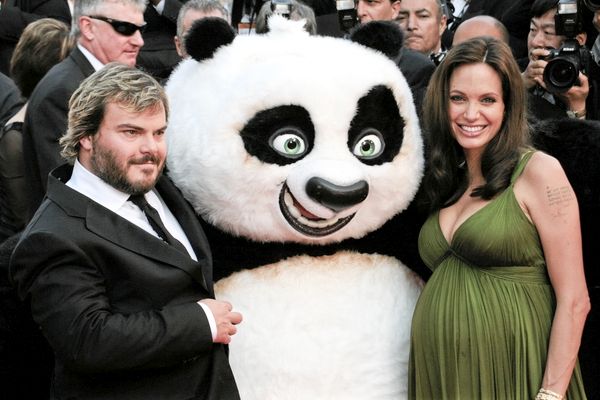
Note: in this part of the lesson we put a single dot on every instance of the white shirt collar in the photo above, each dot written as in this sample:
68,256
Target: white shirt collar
95,188
96,64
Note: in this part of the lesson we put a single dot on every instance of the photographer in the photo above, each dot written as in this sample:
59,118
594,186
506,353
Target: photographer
556,36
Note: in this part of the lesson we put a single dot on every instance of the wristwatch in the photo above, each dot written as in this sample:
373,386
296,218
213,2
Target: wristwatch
576,114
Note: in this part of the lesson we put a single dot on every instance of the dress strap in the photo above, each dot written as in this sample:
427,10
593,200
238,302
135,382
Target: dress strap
521,165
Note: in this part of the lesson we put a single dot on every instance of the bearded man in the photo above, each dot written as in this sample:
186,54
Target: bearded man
114,263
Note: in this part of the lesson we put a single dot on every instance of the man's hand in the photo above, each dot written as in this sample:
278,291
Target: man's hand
225,318
575,97
534,73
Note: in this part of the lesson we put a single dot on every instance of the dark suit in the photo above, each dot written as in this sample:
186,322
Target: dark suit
513,14
158,56
118,305
10,99
417,69
17,14
46,121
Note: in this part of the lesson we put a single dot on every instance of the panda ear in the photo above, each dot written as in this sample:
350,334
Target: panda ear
206,35
385,36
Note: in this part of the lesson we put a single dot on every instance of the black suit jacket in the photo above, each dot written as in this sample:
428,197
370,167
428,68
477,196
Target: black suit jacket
10,99
513,14
46,121
118,305
158,56
417,69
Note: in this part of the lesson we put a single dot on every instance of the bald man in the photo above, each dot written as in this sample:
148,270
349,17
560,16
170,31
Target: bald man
481,25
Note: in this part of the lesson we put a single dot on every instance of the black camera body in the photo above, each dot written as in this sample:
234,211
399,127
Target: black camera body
565,63
346,12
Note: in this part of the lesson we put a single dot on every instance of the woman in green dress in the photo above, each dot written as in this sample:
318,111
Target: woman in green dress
502,315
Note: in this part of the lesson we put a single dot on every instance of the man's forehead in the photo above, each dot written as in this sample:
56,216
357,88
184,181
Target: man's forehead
543,22
420,5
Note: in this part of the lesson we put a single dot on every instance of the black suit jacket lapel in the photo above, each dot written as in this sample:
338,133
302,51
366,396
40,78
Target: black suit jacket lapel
117,230
190,224
123,233
82,63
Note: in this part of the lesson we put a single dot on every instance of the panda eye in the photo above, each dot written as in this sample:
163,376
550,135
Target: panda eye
289,142
369,145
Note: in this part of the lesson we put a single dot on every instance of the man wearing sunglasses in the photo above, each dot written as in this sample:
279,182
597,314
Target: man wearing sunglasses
106,31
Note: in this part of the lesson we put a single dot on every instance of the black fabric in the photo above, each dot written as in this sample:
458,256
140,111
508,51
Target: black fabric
417,68
156,222
26,357
158,56
13,187
10,99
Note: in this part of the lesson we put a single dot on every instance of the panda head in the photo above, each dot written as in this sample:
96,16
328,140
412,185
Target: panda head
292,138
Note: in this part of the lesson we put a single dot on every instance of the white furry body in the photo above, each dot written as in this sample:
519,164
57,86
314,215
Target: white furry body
331,327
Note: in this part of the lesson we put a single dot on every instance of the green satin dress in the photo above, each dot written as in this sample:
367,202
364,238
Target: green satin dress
481,326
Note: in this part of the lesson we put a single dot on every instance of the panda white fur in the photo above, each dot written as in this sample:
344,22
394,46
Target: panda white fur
285,141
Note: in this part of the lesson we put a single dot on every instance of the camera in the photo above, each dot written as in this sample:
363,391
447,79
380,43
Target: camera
566,20
347,17
282,7
564,64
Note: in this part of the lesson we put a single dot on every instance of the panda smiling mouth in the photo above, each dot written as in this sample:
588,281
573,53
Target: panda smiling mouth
304,221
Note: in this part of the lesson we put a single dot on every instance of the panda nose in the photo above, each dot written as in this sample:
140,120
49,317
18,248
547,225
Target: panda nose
336,197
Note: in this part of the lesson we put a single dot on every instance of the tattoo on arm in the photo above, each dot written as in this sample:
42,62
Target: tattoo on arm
559,197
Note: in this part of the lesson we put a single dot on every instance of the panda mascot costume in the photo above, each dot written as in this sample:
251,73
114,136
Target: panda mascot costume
303,157
301,153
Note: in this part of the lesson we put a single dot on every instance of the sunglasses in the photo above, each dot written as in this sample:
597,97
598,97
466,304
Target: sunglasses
122,27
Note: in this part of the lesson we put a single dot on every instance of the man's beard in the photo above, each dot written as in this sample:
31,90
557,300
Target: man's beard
106,167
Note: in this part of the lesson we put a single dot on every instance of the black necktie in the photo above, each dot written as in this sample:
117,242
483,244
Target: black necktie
155,222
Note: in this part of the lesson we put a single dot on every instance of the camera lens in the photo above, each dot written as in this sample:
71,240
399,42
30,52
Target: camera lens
560,75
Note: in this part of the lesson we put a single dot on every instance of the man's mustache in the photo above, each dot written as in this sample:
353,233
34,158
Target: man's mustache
146,159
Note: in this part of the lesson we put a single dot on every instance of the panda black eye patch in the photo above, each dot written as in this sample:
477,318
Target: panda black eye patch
279,135
377,129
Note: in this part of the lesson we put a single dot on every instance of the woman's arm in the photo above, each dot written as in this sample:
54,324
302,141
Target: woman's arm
547,196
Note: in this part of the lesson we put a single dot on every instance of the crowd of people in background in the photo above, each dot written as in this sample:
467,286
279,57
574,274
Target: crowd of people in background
49,47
